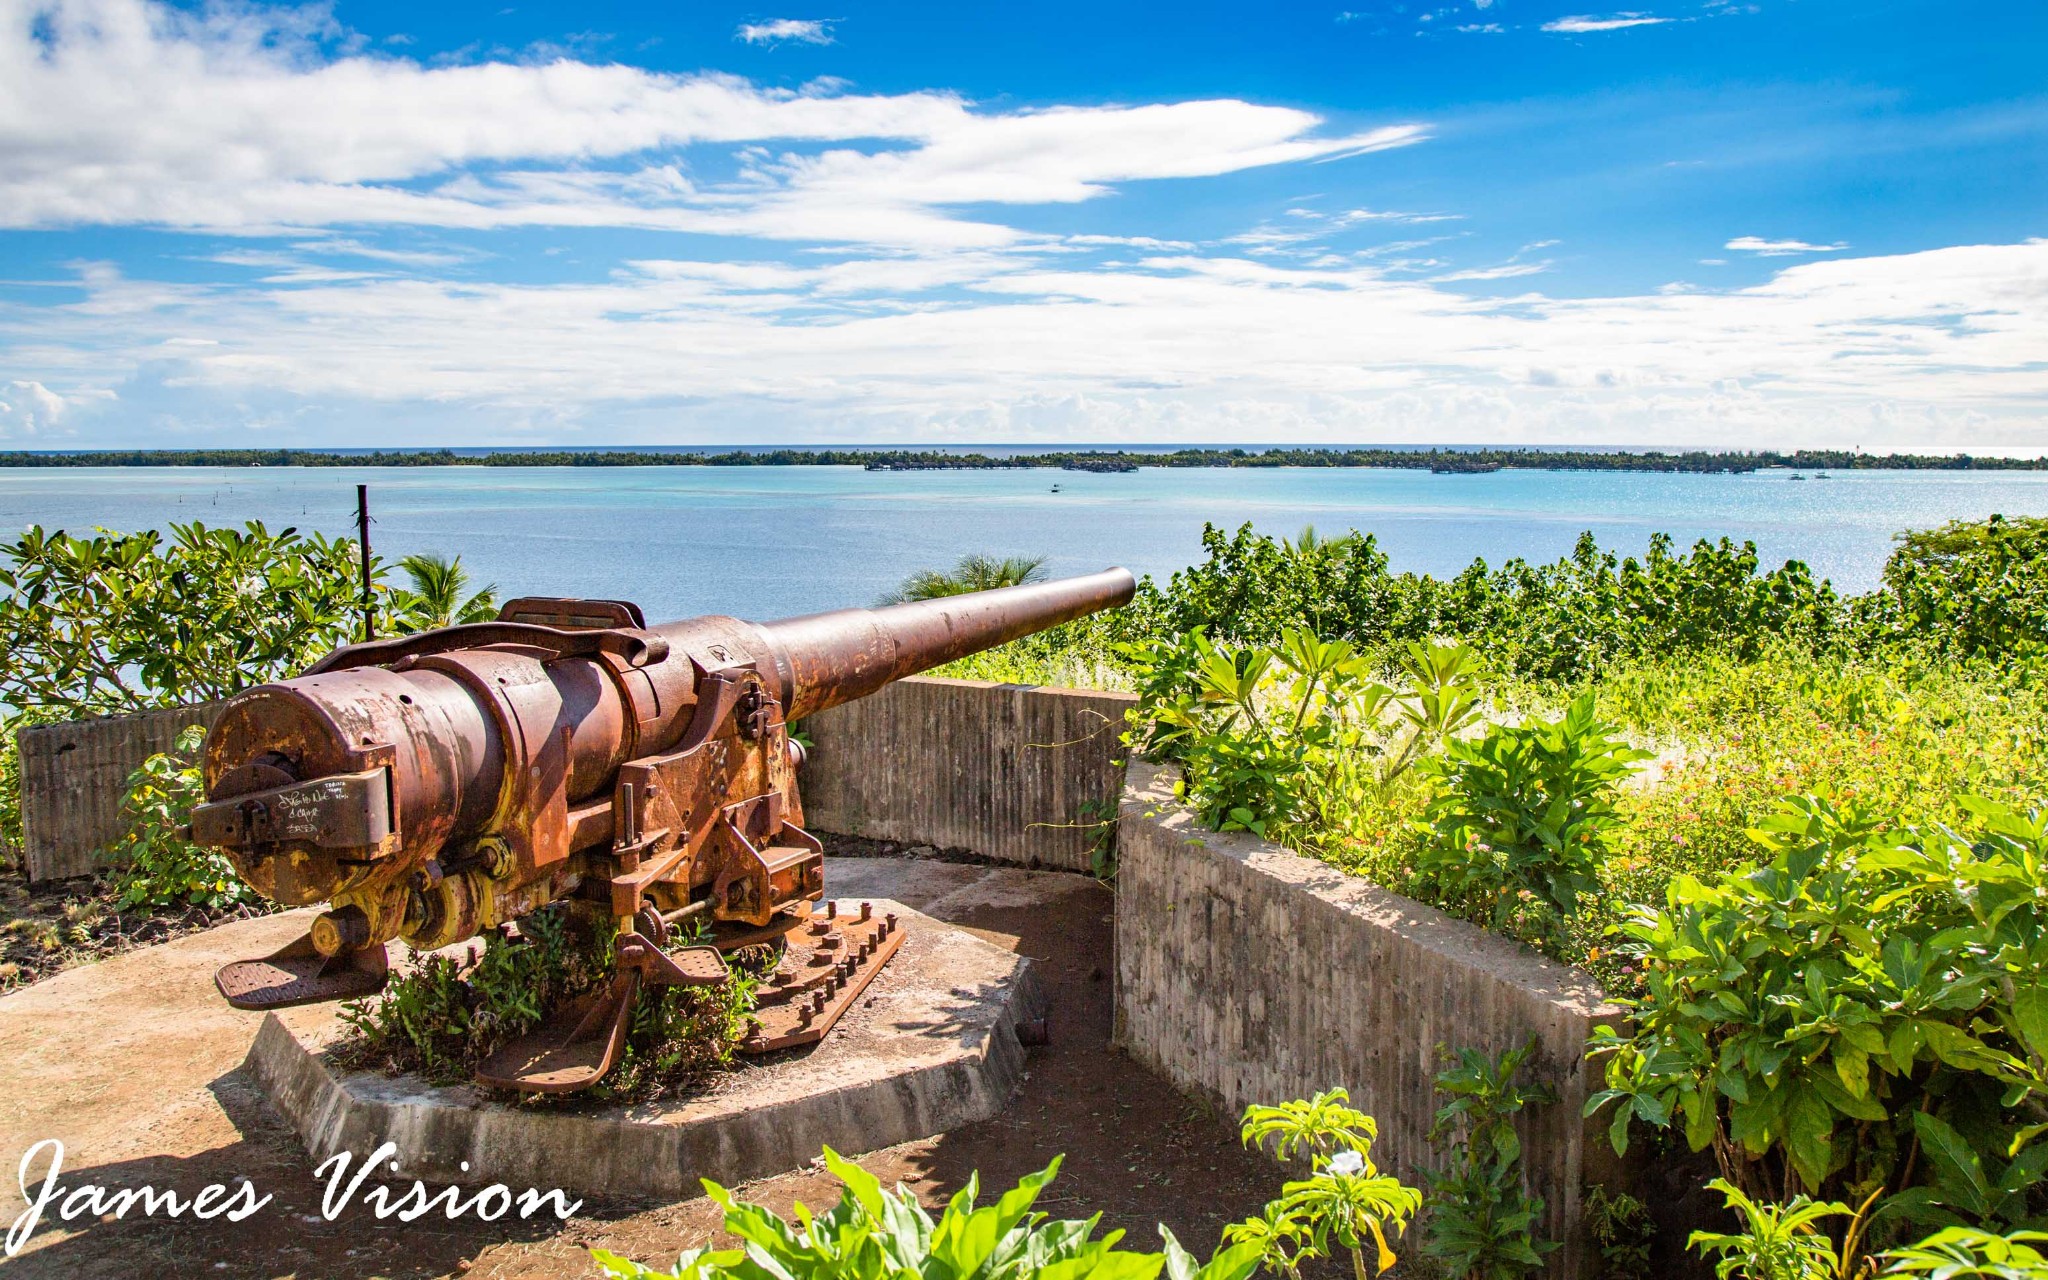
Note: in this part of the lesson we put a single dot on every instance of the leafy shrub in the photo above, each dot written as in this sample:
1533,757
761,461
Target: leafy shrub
1482,1221
1622,1231
1796,1018
117,623
125,622
1551,621
1970,589
445,1015
157,865
1345,1199
1780,1242
1962,1253
877,1234
1523,817
1294,738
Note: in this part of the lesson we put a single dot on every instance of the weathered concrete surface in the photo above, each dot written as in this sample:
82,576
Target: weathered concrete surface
1256,975
73,778
1017,773
931,1045
115,1059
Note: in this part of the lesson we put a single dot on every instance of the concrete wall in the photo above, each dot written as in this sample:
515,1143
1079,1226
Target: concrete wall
1250,974
1018,773
73,776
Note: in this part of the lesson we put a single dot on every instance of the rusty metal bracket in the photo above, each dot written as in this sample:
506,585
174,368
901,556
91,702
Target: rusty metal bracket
824,968
342,811
637,648
757,877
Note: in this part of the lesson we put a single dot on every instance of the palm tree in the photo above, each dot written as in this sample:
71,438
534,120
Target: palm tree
973,573
1310,540
436,598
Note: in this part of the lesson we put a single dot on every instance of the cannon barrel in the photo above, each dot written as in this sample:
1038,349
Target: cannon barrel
826,659
438,784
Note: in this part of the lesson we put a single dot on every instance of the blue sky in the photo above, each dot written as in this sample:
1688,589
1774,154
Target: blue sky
1777,223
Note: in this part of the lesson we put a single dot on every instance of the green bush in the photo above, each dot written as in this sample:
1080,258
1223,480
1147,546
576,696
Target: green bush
125,622
156,865
1970,589
1482,1222
1299,738
1798,1017
877,1234
1522,818
445,1015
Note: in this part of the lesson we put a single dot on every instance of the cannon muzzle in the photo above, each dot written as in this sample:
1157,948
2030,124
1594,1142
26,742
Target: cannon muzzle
826,659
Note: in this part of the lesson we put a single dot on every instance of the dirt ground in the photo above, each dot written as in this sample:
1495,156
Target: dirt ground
46,931
1136,1151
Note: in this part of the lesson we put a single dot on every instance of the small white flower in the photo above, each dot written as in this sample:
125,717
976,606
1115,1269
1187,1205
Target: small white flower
1348,1163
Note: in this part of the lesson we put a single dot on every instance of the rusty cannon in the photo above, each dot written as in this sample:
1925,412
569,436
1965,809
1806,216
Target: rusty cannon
437,786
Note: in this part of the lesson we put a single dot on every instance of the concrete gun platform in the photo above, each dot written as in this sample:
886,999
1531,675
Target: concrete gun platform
930,1045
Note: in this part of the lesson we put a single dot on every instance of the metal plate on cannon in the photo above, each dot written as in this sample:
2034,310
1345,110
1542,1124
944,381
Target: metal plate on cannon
299,974
825,966
343,811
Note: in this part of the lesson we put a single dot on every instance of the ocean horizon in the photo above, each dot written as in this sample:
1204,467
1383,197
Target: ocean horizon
767,542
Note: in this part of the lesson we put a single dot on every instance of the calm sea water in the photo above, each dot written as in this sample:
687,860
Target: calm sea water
768,542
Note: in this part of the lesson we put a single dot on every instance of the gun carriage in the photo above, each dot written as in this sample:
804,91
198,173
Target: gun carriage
431,788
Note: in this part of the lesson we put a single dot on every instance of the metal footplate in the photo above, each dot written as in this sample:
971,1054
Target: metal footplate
300,974
825,965
576,1047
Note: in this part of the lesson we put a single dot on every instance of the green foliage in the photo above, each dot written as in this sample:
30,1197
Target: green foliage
972,573
1517,833
878,1234
124,622
1621,1229
1965,1186
1797,1018
1970,589
1295,737
1778,1242
440,595
158,867
1482,1221
1964,1253
1344,1202
446,1014
1551,621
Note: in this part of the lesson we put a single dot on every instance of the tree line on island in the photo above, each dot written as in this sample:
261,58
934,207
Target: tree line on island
1460,461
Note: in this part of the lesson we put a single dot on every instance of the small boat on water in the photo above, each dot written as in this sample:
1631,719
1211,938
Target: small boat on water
1797,476
1055,488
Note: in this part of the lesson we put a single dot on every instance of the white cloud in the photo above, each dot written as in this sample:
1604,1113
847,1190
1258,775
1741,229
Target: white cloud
1581,24
27,407
784,30
1505,271
131,113
1779,248
1943,344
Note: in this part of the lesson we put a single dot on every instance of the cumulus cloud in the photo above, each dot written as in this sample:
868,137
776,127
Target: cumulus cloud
785,30
1946,343
128,112
885,311
1779,248
1581,23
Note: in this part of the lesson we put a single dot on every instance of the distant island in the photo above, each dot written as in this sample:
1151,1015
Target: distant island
1443,461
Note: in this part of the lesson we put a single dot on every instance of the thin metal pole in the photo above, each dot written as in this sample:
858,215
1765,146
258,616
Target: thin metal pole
363,542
